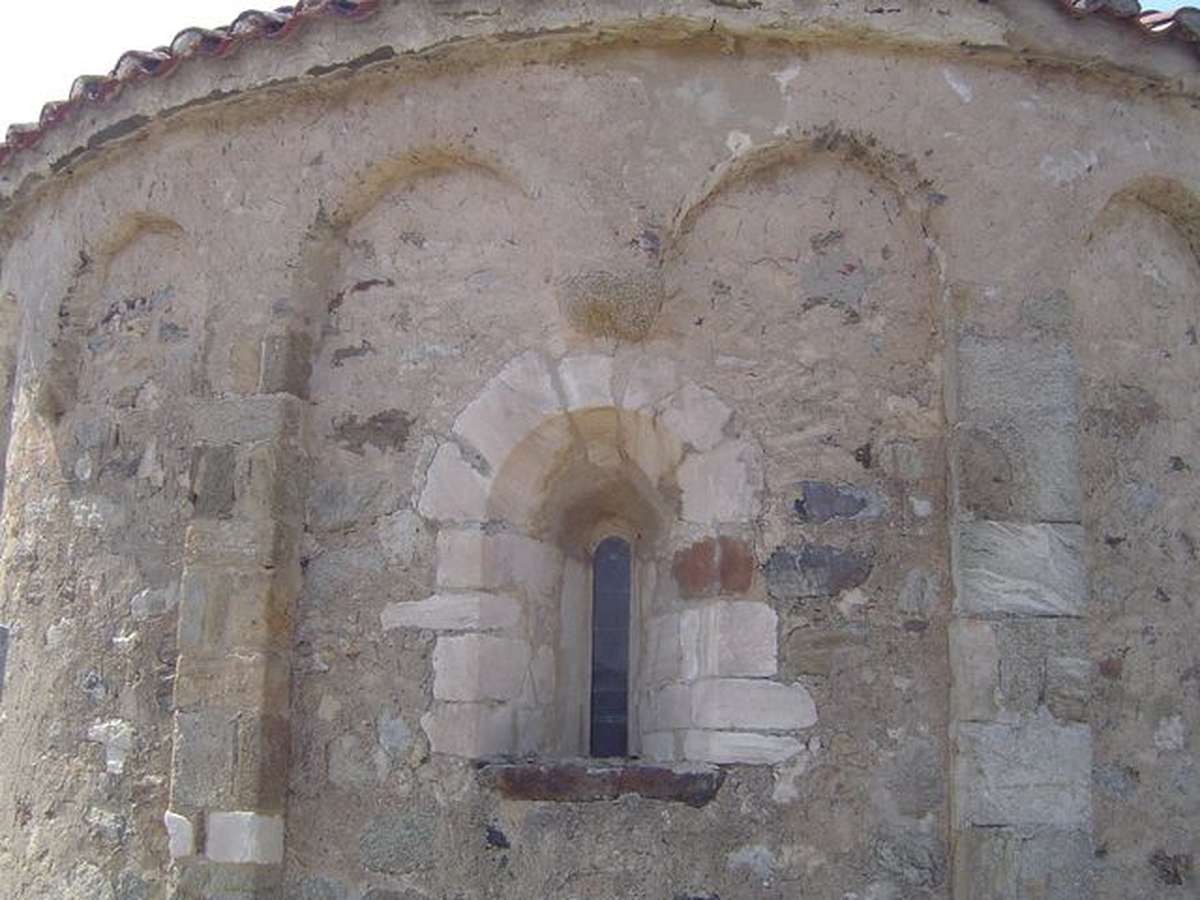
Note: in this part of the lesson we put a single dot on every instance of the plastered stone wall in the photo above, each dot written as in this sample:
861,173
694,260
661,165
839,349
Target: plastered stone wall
321,393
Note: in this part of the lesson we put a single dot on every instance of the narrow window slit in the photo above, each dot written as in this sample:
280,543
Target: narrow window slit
611,585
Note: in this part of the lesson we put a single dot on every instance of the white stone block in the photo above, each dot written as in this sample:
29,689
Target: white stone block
473,560
659,746
662,651
454,492
587,381
730,747
470,730
722,485
730,638
454,612
667,708
696,416
1007,569
752,703
479,667
244,837
1037,772
181,835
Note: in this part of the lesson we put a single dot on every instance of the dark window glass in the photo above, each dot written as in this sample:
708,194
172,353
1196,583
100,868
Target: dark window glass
610,648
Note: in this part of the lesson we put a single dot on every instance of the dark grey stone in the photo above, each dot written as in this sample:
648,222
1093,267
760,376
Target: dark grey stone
385,430
286,364
815,570
912,858
131,886
213,472
320,887
398,842
820,502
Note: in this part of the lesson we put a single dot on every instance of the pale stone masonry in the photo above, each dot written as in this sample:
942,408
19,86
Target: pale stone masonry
869,332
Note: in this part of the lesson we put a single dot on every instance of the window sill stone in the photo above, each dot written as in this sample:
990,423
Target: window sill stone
585,781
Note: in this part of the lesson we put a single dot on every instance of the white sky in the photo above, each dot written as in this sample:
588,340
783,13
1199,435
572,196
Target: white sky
45,44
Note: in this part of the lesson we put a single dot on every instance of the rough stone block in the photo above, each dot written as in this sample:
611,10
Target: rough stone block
400,840
181,835
1068,687
240,542
1037,772
260,770
247,420
235,609
722,485
586,381
454,612
470,730
752,704
1017,864
696,416
731,747
244,837
202,764
454,491
974,670
1008,569
247,681
473,667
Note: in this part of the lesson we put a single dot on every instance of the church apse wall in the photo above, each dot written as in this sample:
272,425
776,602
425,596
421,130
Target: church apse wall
659,462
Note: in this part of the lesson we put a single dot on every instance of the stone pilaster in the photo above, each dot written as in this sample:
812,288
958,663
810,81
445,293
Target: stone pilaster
1021,741
241,578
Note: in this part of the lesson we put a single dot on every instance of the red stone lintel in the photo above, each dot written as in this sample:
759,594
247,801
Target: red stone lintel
576,781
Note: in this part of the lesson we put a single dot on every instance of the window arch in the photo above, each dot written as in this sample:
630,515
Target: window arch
612,584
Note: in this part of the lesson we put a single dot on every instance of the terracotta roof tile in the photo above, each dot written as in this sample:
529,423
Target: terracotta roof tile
253,25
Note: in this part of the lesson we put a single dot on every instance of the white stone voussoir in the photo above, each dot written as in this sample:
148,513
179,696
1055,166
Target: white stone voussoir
454,612
454,491
497,421
696,415
722,485
586,381
244,837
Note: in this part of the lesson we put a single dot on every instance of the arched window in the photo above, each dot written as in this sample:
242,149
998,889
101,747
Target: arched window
611,586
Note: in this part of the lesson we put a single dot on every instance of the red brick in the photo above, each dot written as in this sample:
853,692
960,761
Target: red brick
695,569
737,566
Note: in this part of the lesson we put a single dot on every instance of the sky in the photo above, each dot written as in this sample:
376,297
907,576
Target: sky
45,44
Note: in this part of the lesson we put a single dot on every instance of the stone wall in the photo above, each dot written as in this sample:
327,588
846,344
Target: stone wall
322,393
